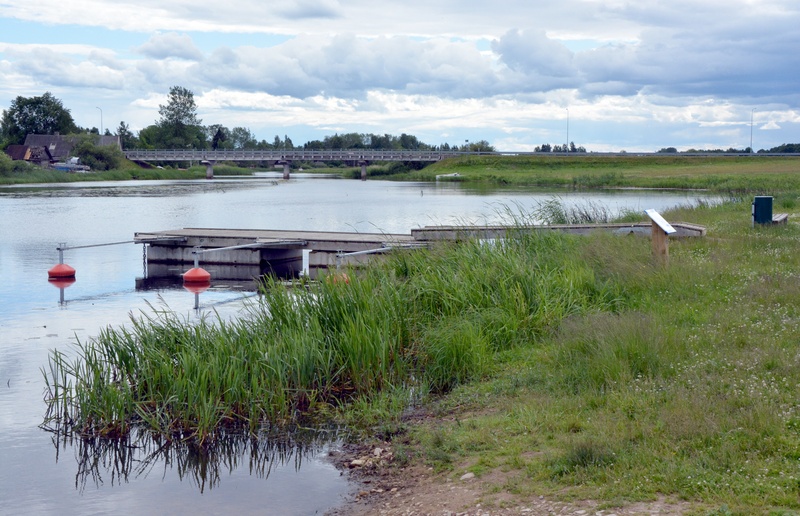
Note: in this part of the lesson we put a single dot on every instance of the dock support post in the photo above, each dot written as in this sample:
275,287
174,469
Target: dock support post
209,168
286,169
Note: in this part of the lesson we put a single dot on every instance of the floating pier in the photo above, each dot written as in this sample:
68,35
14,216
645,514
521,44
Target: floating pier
244,254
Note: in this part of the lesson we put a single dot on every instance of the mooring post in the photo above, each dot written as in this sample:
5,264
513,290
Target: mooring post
660,231
209,168
196,256
61,247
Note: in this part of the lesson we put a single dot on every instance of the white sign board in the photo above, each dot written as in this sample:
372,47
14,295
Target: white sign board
659,220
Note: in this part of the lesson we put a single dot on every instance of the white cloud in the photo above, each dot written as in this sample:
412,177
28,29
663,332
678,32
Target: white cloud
171,44
687,68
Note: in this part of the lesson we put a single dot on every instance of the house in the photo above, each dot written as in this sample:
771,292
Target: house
54,150
60,147
39,155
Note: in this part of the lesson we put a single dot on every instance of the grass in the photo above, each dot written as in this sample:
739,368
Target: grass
750,174
129,172
690,392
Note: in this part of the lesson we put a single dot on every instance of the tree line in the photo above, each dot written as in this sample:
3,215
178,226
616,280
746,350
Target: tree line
179,127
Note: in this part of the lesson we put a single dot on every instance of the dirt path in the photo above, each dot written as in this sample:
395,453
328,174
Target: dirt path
384,488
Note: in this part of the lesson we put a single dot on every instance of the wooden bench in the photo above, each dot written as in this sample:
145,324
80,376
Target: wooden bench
780,218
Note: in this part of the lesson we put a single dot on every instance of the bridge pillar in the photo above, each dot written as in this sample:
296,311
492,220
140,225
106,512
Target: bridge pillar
363,170
286,165
209,168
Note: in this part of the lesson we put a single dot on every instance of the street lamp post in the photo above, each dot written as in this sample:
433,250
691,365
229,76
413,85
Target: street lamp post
752,112
101,121
566,147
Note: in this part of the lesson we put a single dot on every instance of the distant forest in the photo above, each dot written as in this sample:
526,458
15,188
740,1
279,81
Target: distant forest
180,128
785,148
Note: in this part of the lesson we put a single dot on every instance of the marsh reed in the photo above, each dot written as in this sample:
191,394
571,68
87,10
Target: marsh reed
432,318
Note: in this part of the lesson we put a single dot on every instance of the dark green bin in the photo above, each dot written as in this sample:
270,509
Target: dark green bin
762,209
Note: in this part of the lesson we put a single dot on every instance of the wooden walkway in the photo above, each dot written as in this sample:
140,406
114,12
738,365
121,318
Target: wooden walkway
236,253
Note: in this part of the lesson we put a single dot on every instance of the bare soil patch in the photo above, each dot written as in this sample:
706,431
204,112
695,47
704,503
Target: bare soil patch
384,487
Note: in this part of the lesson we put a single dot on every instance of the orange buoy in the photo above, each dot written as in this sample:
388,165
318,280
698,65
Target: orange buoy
197,275
61,282
62,270
196,287
339,277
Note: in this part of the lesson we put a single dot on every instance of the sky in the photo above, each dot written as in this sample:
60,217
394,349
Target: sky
609,75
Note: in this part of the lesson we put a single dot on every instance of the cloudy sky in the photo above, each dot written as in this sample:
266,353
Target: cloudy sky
610,75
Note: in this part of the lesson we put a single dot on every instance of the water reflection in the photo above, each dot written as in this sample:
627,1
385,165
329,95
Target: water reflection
134,457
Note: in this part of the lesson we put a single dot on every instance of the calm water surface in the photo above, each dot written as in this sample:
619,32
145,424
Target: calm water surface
39,474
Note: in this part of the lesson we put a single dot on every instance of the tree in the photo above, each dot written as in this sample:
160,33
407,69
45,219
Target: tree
242,138
126,137
97,157
181,127
35,115
219,138
480,146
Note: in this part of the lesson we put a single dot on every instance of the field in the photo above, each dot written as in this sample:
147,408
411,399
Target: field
720,173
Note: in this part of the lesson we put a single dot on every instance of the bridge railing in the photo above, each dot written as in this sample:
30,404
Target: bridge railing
367,155
354,155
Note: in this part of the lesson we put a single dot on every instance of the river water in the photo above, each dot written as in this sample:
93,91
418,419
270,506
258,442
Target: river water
40,474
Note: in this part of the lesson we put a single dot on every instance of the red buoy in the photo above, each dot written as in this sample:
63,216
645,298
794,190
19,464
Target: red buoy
338,277
196,287
62,270
61,282
197,275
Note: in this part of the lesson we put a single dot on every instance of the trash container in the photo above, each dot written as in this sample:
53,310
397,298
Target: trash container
762,210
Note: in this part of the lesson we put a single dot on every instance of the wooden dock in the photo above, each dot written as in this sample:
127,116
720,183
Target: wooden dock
242,254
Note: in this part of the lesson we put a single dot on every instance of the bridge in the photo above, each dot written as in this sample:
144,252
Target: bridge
361,157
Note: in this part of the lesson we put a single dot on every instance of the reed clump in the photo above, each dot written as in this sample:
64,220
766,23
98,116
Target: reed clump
424,320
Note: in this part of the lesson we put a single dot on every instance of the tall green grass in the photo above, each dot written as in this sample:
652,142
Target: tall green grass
688,394
427,320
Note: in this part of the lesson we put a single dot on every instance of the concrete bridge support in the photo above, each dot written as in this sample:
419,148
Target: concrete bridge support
286,166
363,170
209,168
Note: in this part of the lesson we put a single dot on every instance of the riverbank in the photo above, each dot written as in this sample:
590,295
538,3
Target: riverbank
683,402
726,174
741,174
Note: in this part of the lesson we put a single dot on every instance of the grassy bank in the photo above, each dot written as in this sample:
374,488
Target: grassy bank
32,175
724,174
691,392
747,174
